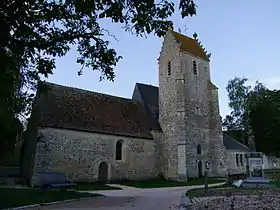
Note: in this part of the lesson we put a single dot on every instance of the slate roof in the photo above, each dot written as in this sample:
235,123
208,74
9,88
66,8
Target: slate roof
149,97
72,108
232,144
190,45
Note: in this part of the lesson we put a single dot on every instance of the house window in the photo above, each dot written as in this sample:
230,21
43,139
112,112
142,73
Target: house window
237,159
241,160
119,145
169,68
194,68
198,149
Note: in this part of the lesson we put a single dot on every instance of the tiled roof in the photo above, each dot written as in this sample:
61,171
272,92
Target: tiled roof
211,86
190,45
72,108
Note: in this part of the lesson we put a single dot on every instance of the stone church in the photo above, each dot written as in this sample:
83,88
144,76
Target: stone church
172,130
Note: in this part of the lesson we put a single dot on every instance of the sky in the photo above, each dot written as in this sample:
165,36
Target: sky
243,37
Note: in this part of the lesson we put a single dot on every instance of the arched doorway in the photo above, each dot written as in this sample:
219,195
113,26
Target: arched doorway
103,172
200,169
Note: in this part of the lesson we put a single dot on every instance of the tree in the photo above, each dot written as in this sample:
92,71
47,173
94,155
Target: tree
264,119
255,111
228,123
238,93
35,32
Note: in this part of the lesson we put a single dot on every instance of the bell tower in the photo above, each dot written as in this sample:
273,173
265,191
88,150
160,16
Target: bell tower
187,108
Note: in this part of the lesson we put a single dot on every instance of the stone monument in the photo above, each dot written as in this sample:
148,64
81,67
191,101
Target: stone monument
255,171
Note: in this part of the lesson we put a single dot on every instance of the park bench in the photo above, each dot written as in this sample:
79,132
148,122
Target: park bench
54,180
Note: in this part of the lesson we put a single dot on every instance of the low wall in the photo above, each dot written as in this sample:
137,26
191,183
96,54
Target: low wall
272,174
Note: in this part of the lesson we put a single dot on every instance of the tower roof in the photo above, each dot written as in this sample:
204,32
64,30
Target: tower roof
190,45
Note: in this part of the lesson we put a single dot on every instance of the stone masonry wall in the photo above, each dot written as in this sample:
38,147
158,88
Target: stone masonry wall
217,149
196,118
168,110
232,165
271,162
78,155
184,114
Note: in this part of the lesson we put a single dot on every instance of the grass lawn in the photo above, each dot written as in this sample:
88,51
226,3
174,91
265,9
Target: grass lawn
10,198
200,192
95,186
158,183
277,183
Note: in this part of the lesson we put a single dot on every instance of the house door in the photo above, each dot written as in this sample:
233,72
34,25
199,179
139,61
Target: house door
103,172
200,169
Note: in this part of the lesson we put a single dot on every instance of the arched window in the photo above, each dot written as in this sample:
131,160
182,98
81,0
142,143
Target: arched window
194,68
237,159
241,160
198,149
169,68
119,145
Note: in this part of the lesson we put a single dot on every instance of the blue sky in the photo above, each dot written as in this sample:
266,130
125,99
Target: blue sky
243,37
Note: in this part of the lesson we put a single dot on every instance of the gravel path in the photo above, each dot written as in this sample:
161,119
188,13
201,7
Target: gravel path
241,200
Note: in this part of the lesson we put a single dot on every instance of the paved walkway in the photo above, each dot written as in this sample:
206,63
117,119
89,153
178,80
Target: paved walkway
131,198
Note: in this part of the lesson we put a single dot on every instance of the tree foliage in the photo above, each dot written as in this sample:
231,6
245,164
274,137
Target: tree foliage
237,93
264,119
36,32
255,111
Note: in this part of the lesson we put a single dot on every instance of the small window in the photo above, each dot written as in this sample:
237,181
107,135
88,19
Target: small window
241,160
197,110
237,159
169,68
194,68
198,149
119,145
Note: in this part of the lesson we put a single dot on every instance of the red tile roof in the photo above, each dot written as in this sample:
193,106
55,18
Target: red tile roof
211,86
190,45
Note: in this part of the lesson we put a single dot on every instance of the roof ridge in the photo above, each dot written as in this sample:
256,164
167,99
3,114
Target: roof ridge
89,91
138,83
184,35
243,145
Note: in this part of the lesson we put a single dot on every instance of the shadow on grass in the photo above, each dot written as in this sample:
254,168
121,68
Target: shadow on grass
10,198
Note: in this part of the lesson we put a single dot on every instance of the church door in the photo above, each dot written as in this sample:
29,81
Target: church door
103,172
200,170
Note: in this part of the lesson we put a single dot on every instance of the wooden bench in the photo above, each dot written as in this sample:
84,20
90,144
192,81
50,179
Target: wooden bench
54,180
